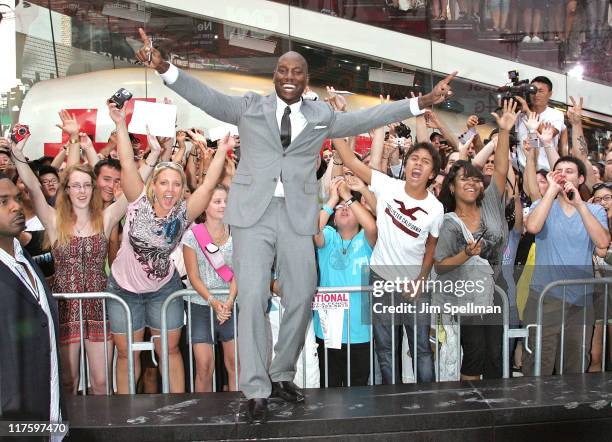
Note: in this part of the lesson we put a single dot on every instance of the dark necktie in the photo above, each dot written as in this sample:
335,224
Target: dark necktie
285,129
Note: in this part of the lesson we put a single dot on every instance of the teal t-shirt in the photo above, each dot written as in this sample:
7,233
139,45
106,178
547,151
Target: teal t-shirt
350,269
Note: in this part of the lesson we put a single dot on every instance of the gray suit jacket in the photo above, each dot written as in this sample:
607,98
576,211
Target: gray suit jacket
262,157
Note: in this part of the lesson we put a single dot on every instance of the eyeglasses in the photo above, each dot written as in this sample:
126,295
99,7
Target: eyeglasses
48,182
598,186
599,199
79,187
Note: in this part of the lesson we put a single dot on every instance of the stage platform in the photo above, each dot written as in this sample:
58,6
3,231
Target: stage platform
560,408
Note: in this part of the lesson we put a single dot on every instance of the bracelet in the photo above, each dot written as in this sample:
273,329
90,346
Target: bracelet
210,299
338,164
21,161
76,141
349,201
328,209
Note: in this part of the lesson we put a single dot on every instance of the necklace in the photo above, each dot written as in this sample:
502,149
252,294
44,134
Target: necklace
82,228
220,240
346,249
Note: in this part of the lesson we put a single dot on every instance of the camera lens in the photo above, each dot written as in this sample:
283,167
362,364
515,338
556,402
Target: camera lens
21,131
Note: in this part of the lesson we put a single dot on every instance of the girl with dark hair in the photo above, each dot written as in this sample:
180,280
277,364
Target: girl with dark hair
472,212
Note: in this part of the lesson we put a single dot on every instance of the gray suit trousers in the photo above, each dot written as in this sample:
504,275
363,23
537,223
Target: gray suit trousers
255,249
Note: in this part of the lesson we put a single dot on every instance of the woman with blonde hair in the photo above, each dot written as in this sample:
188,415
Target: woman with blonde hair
143,274
77,230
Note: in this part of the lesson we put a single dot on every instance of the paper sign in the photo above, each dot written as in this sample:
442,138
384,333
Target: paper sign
160,117
330,301
216,133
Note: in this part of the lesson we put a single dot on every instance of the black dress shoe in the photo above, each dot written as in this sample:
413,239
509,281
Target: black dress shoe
287,391
257,411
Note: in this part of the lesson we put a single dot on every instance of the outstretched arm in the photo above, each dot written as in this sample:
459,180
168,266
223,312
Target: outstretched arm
131,182
351,161
220,106
356,122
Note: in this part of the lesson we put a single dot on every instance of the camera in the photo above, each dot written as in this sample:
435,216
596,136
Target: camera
402,131
20,131
517,87
120,97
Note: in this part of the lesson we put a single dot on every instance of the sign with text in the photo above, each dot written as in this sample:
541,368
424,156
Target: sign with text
330,301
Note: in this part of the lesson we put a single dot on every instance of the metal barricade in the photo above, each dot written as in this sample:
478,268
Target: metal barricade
130,334
540,314
221,294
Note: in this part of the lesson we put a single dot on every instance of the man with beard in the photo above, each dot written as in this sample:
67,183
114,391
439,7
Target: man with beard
272,205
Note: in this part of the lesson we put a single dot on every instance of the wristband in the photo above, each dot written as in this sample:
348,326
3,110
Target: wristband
338,164
328,209
349,202
74,141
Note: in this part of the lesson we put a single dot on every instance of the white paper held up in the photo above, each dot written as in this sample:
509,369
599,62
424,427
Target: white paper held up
160,117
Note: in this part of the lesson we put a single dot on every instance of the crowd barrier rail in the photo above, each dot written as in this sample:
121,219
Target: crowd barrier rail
222,295
540,314
130,336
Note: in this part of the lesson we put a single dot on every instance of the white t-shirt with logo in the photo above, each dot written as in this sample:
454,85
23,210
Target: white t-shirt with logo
404,224
550,115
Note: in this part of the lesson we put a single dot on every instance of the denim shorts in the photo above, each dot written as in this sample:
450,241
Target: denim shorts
200,325
145,307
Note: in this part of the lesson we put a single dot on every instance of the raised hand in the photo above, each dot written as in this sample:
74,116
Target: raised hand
226,143
354,183
431,120
69,123
196,136
523,103
334,196
384,100
463,147
153,142
548,133
441,91
338,102
85,141
150,56
18,147
117,115
344,191
555,181
528,148
574,113
472,121
508,117
533,122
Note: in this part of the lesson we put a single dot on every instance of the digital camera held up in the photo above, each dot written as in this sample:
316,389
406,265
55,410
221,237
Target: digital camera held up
120,97
20,131
517,87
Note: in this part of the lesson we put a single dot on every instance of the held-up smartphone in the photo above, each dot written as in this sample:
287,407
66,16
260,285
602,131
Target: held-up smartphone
120,97
534,140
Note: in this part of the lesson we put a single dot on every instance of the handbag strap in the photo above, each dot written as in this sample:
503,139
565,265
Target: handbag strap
203,238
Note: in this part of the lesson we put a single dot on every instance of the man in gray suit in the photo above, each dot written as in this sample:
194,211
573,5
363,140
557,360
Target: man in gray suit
272,205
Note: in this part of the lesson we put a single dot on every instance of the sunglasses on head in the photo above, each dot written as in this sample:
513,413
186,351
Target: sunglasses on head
598,186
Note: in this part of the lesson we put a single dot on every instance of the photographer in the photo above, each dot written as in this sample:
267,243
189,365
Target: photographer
539,105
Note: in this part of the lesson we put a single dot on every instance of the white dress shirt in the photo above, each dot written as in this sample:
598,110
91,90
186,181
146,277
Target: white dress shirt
17,264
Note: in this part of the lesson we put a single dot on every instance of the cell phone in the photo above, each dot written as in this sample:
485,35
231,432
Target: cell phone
120,97
534,140
400,141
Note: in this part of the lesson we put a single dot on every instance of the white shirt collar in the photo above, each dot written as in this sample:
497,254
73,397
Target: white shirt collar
281,105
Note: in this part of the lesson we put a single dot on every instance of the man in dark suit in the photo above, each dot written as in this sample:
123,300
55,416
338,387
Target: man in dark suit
272,205
29,358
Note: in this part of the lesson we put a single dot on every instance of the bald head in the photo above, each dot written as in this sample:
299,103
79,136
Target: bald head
290,77
295,57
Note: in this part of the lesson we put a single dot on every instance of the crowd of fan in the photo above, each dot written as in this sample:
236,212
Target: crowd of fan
439,204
